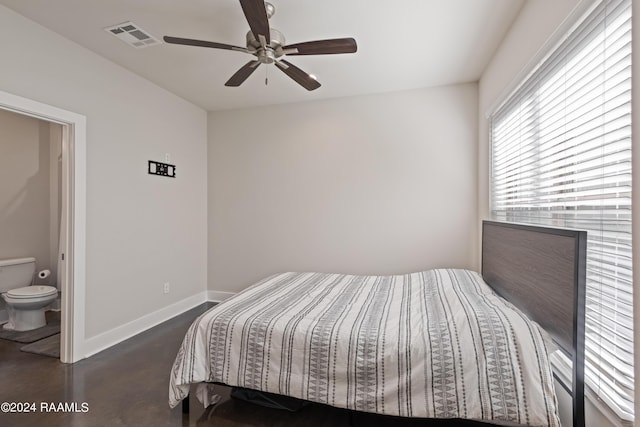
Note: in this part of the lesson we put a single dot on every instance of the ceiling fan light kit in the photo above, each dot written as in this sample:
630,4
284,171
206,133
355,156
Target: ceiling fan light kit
268,46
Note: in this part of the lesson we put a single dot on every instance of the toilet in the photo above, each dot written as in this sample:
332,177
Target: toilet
25,302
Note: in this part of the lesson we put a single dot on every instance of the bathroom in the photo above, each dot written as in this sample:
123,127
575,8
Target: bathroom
30,197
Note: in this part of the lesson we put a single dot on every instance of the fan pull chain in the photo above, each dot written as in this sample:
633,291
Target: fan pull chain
266,76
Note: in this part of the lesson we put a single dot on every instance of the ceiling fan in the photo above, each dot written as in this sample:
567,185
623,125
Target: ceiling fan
268,46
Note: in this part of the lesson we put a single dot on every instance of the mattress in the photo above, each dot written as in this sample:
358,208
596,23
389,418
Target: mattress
432,344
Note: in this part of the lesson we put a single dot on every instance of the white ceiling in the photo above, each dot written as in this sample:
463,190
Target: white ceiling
402,44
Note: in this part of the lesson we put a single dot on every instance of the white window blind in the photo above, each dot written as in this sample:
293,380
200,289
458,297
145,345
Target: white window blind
561,156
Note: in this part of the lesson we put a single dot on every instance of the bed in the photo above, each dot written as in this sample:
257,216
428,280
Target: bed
442,343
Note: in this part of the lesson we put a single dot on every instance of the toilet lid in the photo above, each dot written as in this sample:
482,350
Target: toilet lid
32,291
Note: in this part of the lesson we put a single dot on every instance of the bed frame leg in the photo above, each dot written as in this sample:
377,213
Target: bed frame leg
185,405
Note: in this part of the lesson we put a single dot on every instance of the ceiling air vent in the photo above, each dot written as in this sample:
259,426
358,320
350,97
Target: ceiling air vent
132,34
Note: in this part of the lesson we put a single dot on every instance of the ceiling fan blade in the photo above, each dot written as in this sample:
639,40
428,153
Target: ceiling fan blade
242,74
303,79
256,13
322,47
203,43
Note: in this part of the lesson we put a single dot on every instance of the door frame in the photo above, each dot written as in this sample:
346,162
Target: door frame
74,143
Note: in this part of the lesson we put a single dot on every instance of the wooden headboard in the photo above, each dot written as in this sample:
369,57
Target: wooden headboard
542,271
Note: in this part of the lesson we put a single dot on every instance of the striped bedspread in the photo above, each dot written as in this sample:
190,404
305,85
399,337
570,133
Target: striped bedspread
434,344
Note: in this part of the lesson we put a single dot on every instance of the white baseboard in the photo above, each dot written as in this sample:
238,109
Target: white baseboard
219,296
114,336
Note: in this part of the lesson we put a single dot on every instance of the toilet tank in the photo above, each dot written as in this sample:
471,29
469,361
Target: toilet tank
16,273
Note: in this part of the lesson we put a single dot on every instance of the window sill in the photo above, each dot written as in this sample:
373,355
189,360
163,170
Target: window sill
562,371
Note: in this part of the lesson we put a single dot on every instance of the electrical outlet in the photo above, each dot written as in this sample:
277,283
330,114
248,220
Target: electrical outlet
167,288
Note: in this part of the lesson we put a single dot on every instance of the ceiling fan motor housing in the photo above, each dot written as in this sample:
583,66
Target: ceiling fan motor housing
270,52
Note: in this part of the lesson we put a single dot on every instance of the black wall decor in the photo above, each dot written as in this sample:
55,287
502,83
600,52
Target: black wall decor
162,169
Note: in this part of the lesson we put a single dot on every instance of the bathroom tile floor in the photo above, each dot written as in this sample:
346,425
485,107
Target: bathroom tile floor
127,385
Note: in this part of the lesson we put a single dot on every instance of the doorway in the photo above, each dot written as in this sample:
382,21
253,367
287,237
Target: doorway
72,228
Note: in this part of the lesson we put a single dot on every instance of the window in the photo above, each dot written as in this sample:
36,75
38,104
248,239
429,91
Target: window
561,156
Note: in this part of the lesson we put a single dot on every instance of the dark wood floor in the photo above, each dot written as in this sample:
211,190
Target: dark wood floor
127,385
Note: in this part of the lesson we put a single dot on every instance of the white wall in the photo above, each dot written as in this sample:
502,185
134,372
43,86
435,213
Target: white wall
142,230
376,184
532,34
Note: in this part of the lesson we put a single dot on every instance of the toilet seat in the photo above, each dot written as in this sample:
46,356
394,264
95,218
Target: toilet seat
36,291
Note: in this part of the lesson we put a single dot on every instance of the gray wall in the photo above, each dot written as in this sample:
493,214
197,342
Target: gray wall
28,190
378,184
